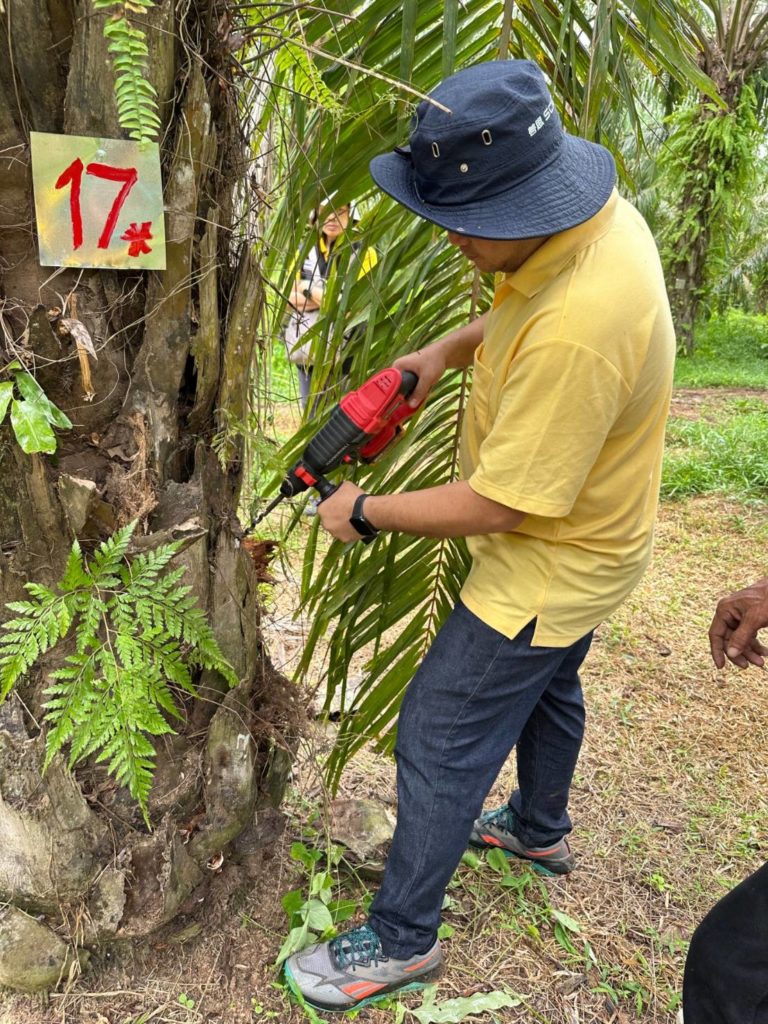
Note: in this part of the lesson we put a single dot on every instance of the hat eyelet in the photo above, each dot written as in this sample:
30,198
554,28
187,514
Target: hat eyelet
463,168
486,136
435,150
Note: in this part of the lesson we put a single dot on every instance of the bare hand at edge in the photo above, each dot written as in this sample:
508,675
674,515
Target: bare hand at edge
734,628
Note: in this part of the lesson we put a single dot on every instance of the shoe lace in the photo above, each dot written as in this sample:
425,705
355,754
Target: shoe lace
504,817
358,948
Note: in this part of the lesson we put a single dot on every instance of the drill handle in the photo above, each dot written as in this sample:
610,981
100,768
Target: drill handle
409,380
325,488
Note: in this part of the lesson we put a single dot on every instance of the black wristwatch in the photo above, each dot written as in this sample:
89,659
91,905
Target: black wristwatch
366,530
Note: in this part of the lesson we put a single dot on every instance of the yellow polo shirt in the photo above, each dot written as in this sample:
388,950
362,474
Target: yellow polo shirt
565,422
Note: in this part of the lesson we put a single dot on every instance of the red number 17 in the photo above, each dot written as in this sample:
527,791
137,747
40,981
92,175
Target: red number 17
73,176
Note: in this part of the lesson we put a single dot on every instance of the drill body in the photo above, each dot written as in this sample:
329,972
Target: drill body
362,426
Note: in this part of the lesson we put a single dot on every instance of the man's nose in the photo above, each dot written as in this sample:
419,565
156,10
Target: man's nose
455,239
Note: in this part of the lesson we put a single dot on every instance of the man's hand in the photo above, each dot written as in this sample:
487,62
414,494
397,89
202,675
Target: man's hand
453,352
335,511
733,633
428,365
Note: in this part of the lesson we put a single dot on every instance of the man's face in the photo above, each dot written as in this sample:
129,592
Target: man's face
491,255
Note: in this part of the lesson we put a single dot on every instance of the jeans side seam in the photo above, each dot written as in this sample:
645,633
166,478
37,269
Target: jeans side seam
435,793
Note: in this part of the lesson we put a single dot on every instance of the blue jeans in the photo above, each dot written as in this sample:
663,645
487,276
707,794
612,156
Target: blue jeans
476,695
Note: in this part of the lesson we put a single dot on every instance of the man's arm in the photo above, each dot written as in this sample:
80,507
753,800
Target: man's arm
733,633
453,352
451,510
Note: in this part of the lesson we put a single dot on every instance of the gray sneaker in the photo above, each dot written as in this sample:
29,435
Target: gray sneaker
496,829
352,970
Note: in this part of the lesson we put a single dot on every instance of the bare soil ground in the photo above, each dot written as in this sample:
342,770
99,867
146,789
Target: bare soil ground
697,403
669,806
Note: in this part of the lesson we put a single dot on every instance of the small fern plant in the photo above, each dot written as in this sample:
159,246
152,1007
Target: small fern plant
136,634
136,97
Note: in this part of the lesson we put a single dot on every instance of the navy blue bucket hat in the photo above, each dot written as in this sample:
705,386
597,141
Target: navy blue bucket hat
499,165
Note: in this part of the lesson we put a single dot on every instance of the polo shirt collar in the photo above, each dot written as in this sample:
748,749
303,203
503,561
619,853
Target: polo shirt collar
547,261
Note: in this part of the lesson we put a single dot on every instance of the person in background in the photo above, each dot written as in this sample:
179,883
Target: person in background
306,297
726,972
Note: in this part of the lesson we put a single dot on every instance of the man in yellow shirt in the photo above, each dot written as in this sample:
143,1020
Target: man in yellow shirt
561,456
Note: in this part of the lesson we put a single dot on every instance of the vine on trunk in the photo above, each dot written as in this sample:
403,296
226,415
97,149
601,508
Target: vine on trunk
708,162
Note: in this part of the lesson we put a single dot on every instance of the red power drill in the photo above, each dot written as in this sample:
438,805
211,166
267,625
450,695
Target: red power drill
362,426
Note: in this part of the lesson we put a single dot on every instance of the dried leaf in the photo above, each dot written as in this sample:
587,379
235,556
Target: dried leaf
78,330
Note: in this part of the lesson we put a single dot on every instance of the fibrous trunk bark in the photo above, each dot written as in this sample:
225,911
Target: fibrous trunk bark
174,355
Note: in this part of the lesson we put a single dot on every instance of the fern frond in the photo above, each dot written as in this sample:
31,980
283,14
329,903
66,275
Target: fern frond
75,576
136,98
137,630
109,555
40,625
291,57
70,699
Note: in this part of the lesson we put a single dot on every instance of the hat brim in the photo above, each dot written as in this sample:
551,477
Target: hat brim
568,191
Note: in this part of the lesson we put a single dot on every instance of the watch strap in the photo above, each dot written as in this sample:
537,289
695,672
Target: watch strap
357,519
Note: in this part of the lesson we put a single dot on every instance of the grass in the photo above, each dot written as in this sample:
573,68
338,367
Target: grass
726,452
731,352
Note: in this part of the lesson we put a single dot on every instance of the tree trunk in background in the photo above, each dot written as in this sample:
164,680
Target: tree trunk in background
174,356
687,270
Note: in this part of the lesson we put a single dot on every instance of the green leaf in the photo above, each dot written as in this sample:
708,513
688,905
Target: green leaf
342,910
32,428
295,940
453,1011
293,901
498,861
6,393
34,394
566,921
318,916
305,856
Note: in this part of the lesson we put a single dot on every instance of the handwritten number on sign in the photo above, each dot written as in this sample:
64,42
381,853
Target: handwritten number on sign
73,175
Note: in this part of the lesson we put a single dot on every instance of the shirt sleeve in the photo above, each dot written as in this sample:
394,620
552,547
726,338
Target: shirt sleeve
556,409
370,259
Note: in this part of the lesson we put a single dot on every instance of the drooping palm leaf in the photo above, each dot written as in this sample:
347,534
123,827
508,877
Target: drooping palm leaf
389,599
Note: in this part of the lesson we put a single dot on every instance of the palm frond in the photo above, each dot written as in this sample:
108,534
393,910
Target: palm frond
594,54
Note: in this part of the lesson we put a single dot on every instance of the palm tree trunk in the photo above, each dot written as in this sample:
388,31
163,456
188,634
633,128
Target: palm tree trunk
174,356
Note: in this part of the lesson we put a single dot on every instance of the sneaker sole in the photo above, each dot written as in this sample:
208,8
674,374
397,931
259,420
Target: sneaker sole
413,986
538,866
